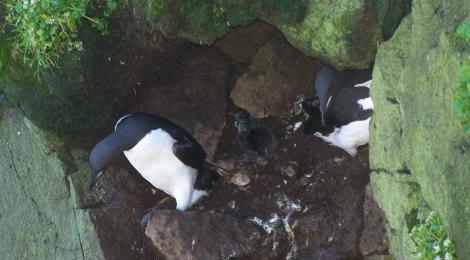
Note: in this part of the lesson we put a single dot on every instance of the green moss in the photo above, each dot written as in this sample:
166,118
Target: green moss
347,37
398,195
4,58
199,21
344,33
67,101
431,239
413,129
44,31
461,103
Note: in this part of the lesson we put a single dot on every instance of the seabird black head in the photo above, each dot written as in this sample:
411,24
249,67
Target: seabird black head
102,154
314,122
244,121
323,83
254,138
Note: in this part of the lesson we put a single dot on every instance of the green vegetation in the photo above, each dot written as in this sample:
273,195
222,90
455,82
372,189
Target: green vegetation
203,22
462,87
44,30
431,239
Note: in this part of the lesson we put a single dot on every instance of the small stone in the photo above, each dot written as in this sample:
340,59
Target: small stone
288,170
303,181
240,179
231,204
261,161
228,165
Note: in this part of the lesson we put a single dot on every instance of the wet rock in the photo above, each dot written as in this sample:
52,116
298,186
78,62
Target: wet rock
277,75
240,179
374,236
191,92
201,235
242,43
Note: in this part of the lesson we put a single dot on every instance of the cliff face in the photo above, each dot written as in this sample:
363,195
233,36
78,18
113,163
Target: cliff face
419,153
40,213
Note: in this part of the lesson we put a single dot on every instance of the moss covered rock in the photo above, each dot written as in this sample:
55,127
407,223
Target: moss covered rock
71,99
418,148
40,210
344,33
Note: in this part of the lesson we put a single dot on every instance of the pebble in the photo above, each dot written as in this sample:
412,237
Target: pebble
240,179
303,181
232,204
288,170
228,165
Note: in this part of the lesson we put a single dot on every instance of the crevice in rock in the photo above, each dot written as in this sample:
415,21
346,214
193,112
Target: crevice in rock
78,232
393,100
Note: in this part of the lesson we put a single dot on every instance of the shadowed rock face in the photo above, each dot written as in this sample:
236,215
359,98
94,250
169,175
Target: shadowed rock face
190,90
201,235
276,76
374,238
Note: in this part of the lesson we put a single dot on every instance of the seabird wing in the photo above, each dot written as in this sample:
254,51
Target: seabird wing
345,107
189,152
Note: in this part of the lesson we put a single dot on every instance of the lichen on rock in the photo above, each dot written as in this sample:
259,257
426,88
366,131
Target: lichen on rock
344,33
418,148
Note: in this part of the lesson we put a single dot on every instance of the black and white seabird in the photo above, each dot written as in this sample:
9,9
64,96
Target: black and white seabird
162,152
346,105
256,141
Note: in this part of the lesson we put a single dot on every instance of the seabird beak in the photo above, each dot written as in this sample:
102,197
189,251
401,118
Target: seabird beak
323,83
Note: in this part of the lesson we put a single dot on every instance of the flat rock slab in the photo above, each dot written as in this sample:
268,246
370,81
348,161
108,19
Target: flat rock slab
201,235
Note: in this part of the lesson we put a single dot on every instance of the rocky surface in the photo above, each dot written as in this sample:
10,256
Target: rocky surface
419,151
37,224
277,75
180,90
374,239
306,201
344,33
242,43
201,235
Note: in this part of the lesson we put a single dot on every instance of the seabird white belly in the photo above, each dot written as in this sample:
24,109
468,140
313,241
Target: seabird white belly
154,159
